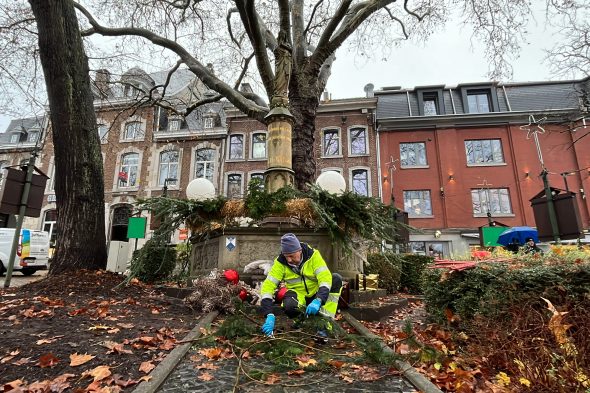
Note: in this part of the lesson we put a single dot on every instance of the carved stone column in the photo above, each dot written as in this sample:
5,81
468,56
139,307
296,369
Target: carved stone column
279,172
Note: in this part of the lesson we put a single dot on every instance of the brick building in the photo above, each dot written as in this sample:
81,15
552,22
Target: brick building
345,142
448,155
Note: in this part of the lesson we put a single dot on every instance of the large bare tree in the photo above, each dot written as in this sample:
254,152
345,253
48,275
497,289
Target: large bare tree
79,183
294,43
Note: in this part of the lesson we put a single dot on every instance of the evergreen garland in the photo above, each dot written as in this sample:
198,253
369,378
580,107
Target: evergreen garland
348,217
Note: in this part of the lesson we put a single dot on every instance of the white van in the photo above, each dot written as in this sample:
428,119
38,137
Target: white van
32,253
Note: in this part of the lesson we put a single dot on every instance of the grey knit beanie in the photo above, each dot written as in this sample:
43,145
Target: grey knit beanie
289,243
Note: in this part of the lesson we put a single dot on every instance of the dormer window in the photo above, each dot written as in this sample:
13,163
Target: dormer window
14,138
174,124
430,102
208,122
479,99
33,136
130,91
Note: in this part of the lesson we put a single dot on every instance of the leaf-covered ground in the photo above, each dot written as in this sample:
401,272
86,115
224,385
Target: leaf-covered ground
85,332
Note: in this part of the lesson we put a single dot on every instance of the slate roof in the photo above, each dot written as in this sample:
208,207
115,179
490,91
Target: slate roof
511,97
17,125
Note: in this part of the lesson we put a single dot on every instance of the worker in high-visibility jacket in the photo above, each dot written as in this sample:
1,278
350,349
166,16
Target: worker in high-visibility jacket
310,284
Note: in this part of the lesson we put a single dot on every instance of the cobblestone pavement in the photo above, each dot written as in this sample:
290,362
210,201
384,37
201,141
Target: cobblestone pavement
185,379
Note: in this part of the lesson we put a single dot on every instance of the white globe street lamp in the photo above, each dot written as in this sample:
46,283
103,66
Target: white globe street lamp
331,181
200,189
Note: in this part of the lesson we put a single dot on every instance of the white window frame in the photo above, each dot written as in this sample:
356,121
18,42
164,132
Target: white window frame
169,165
251,175
229,145
226,184
33,132
479,93
208,122
205,163
265,145
339,136
14,138
351,180
3,164
481,143
140,132
119,167
411,213
335,169
402,165
480,205
177,124
101,122
366,132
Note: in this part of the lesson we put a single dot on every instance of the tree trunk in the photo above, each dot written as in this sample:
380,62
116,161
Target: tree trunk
79,185
303,103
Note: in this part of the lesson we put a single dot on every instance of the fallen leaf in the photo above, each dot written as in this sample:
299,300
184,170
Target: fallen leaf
211,353
146,378
146,367
503,379
305,361
22,361
98,373
335,363
525,382
115,347
273,378
296,372
47,360
126,325
100,327
77,360
206,366
205,376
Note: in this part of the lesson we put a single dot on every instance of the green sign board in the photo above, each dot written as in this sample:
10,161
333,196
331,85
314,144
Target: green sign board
136,228
491,234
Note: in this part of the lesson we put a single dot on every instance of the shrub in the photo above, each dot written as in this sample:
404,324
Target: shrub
388,267
412,269
490,289
154,262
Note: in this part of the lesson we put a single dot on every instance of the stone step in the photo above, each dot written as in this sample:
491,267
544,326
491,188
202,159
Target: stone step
376,311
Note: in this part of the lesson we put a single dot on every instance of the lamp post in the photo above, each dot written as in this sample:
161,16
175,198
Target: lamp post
165,188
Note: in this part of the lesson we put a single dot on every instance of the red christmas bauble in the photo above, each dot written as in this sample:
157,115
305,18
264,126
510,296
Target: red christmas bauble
231,276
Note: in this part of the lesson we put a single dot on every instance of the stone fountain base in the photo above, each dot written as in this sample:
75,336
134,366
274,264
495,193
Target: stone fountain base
236,247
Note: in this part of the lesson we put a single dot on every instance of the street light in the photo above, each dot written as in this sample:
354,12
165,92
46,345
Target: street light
165,188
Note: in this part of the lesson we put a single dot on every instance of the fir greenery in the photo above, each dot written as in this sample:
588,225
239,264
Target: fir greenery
155,261
347,217
389,268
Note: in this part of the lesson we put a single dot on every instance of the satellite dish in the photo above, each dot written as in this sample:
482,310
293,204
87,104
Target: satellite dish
331,181
200,189
369,87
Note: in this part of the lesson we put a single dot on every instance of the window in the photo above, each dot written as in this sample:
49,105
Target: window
234,186
50,226
132,131
484,151
130,91
14,138
331,142
174,125
129,169
478,101
33,136
168,167
204,163
413,154
360,182
358,141
53,176
258,176
430,104
494,200
208,122
3,165
417,203
103,129
258,145
236,147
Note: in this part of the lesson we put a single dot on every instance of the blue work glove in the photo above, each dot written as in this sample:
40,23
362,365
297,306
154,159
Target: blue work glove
313,307
269,325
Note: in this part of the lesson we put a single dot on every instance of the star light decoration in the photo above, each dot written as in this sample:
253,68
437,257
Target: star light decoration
534,127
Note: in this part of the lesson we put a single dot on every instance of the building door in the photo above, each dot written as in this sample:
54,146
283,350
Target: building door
120,223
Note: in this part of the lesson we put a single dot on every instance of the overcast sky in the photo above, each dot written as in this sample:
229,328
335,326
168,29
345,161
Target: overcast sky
448,58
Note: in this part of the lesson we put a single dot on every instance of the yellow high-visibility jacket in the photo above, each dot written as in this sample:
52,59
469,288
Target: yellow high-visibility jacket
311,278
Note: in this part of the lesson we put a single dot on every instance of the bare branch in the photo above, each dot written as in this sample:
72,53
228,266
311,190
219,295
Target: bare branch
315,7
207,77
399,21
229,29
